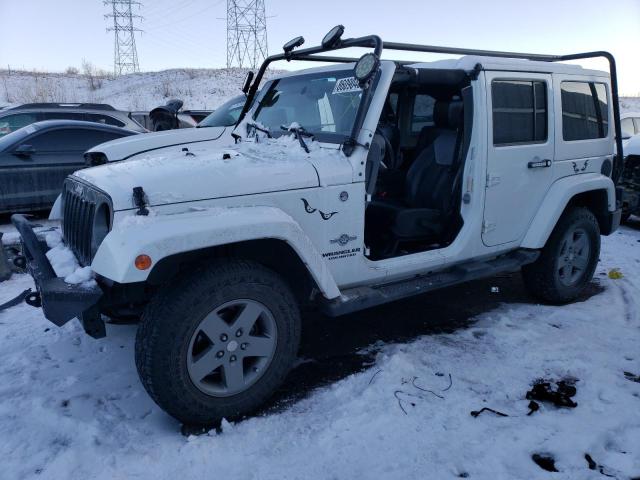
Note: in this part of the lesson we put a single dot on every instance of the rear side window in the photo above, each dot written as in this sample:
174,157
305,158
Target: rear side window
585,112
519,112
637,122
104,119
422,113
11,123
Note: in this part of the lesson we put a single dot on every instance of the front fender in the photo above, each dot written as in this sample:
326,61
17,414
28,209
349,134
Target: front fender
56,210
558,197
161,236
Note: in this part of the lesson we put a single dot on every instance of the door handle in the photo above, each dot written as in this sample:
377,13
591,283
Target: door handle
539,163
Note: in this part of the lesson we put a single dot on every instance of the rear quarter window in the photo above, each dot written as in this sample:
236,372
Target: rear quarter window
585,111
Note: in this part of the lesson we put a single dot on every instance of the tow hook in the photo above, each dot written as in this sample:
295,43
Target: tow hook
33,299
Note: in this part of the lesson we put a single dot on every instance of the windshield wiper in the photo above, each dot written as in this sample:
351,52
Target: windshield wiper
258,128
299,133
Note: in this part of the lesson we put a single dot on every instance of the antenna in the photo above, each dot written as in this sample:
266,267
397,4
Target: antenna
125,55
246,33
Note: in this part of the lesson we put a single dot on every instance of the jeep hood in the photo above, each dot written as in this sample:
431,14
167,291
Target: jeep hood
208,173
126,147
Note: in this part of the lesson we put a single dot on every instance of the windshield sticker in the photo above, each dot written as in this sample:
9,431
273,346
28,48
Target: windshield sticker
347,85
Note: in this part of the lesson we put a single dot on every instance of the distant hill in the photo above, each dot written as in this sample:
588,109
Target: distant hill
197,88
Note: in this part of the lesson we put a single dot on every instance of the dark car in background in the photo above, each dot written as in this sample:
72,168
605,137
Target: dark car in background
14,118
35,160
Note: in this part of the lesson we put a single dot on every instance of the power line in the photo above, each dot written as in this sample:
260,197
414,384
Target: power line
246,33
173,22
125,54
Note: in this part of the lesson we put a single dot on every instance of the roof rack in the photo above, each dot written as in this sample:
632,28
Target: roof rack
88,106
375,42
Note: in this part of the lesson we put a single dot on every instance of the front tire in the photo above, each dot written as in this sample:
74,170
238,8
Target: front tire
217,342
567,261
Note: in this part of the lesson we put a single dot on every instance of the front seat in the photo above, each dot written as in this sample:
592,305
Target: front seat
420,215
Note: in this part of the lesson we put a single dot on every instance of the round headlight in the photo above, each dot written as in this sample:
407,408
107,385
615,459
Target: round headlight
101,226
293,43
332,38
366,67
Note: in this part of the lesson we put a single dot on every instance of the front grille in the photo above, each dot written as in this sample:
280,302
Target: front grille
79,204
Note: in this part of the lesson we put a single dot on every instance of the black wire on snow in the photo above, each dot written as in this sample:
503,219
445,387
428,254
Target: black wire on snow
16,300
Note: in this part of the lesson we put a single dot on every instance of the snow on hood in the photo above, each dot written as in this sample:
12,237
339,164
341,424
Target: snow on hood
251,167
126,147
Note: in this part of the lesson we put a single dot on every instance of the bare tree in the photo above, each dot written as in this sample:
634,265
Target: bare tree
92,74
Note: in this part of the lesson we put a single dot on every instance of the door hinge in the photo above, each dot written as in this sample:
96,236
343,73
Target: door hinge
488,227
492,180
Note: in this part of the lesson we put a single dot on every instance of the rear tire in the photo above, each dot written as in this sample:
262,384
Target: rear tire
567,261
254,324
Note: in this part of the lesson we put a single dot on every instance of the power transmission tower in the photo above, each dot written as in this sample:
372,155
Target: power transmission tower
125,55
246,33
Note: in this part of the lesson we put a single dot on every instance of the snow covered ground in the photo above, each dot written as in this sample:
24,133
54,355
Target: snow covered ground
72,407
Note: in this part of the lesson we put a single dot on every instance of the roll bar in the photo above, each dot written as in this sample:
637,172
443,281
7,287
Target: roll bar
373,41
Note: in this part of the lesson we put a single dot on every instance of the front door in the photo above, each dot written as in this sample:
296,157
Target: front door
520,152
33,181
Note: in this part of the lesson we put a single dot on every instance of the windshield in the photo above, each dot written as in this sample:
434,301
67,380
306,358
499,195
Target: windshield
226,115
324,104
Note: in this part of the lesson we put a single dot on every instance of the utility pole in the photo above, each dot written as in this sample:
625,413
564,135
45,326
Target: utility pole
125,55
246,33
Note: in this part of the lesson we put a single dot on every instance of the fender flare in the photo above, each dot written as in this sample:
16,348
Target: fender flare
161,236
558,197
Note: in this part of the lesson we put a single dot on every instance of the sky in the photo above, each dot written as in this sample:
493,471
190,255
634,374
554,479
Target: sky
54,34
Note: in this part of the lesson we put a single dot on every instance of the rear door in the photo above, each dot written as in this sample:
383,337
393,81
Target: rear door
520,152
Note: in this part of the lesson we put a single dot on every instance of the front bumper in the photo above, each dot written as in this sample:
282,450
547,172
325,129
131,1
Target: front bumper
60,301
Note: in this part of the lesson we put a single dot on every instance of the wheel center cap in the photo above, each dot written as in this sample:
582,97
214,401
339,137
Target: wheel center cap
232,346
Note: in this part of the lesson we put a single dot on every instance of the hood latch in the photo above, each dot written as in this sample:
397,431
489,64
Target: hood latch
140,201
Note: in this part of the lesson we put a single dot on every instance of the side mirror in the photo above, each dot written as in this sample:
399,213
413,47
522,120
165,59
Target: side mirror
247,82
24,150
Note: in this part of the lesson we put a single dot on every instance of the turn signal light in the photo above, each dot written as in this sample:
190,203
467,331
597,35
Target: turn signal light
143,262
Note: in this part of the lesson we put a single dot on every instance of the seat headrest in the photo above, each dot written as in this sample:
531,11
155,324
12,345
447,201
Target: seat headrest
447,114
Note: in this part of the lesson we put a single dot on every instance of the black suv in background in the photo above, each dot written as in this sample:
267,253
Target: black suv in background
35,160
11,119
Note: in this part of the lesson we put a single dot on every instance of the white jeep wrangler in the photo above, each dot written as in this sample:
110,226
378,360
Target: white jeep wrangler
346,187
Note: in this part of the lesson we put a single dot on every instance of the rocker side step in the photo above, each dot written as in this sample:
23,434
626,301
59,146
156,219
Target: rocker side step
360,298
